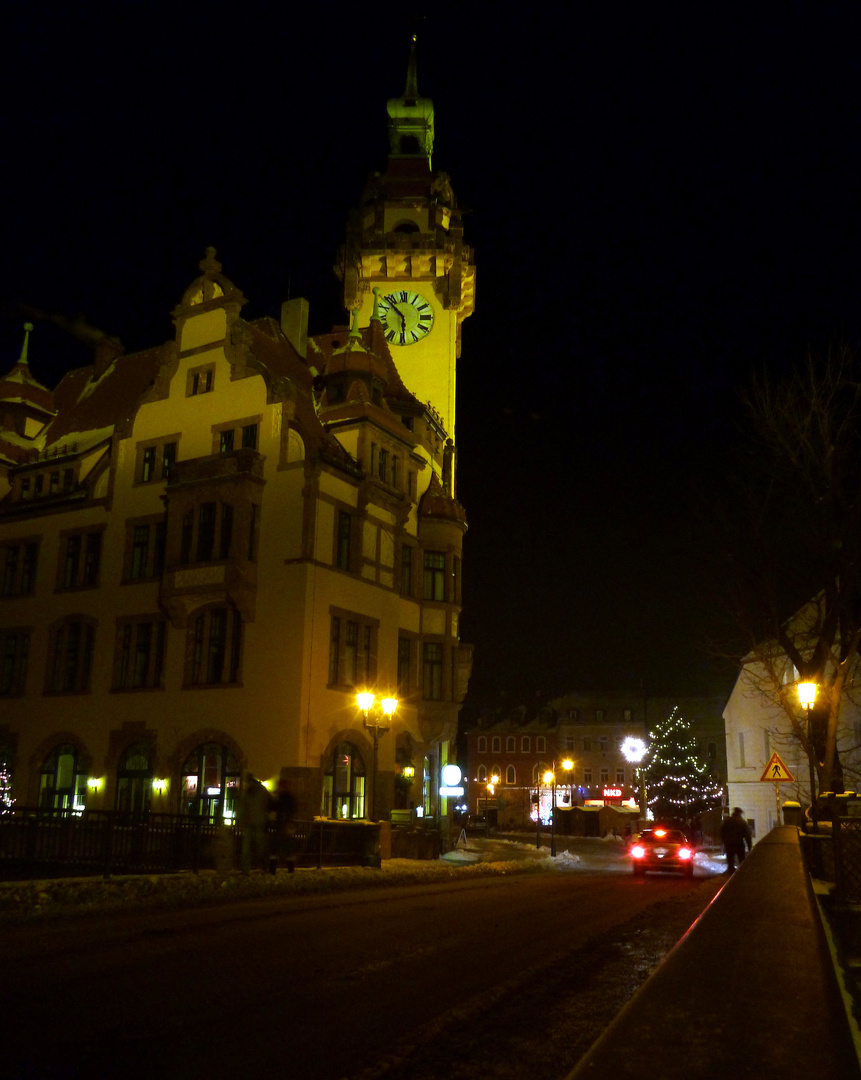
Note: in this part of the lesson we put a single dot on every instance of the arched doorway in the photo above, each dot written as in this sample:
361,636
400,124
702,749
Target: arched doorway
63,783
344,784
210,782
134,780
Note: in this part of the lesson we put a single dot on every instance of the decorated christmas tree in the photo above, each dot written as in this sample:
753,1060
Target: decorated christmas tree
679,786
6,800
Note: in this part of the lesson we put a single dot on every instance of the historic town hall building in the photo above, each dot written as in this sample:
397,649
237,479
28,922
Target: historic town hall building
207,548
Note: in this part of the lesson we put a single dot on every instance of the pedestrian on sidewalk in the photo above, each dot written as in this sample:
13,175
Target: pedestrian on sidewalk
736,837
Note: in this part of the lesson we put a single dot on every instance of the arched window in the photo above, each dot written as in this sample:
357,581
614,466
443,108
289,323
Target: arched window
63,783
510,744
210,782
525,744
134,780
482,744
482,774
510,775
539,744
496,744
344,784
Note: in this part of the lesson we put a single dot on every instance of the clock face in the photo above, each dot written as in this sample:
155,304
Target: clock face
406,316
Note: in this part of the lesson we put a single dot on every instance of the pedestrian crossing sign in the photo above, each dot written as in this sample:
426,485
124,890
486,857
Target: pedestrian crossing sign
776,771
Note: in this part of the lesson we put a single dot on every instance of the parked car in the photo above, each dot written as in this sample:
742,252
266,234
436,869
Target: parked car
662,848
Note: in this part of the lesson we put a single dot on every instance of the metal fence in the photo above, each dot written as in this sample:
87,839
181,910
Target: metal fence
39,843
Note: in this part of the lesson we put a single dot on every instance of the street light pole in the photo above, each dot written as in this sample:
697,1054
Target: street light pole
807,696
369,705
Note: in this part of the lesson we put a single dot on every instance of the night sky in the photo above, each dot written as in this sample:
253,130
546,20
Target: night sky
661,198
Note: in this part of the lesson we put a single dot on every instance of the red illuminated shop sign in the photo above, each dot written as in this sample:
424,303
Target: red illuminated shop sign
612,793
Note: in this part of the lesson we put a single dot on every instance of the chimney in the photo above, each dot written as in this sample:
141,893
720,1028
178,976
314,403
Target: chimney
294,323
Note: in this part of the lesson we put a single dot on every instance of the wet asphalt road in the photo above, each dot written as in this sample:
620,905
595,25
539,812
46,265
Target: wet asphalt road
403,982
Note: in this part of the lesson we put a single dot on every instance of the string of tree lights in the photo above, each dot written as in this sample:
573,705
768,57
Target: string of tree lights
680,786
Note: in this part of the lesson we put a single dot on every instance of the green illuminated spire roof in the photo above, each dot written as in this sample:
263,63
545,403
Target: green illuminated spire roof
411,118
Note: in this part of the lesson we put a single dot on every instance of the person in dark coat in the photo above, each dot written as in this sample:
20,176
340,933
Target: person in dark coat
285,808
736,837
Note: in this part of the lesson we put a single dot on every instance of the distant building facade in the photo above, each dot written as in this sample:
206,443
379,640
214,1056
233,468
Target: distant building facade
207,548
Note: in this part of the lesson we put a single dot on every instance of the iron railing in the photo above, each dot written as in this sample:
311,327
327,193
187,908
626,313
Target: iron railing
49,843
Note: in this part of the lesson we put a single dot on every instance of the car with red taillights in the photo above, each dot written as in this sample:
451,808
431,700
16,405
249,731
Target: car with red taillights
662,848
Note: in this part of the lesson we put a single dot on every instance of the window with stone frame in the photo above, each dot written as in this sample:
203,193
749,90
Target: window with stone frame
215,647
18,563
481,744
405,657
63,780
432,667
406,570
71,643
14,654
352,650
434,575
155,458
200,380
139,652
236,434
206,533
145,545
80,559
343,539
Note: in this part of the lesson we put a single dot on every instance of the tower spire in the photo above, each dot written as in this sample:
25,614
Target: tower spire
411,129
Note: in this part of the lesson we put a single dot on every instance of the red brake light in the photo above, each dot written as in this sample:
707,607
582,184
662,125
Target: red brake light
685,853
638,851
661,833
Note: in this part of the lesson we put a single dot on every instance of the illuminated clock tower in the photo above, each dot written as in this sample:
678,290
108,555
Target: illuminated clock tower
406,240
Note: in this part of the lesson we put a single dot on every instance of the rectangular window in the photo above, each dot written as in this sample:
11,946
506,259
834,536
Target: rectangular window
406,570
587,776
168,459
404,656
225,444
587,745
160,531
432,671
434,577
367,654
39,484
10,571
252,533
186,537
226,531
342,549
620,777
249,436
334,651
142,654
68,480
351,654
140,550
605,776
92,558
14,650
55,483
383,465
27,583
148,464
396,470
200,381
71,657
216,645
70,563
206,532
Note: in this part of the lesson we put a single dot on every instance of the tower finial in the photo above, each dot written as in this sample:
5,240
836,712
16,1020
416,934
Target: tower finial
411,123
25,347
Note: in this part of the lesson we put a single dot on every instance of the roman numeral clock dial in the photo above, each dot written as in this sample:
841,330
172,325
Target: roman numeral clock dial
406,317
